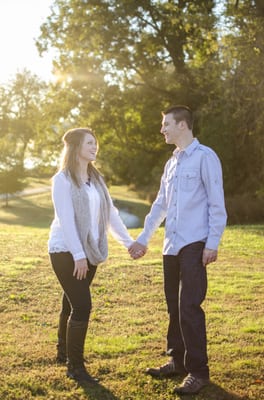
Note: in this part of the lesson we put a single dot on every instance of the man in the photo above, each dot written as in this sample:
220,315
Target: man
191,198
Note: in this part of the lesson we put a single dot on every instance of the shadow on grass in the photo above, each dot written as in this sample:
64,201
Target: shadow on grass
37,211
26,212
213,392
92,391
98,392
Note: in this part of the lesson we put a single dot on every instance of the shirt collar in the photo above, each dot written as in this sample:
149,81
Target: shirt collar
189,149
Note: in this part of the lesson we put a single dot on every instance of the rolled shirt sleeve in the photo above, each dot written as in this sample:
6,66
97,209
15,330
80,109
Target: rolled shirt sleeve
211,172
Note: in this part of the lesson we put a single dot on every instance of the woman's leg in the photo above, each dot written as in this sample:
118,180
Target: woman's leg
62,328
77,292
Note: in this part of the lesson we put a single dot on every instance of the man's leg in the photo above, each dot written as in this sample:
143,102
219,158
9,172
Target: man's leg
175,345
193,286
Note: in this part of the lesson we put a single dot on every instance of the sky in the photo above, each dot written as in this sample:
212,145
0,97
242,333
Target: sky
20,22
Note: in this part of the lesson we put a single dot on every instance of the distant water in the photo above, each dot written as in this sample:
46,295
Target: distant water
130,220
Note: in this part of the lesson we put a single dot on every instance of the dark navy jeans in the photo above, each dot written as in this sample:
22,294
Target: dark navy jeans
185,285
76,293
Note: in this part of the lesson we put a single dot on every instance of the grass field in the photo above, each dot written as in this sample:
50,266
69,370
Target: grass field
129,318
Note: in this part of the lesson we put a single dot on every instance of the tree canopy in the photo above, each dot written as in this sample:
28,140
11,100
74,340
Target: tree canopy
119,63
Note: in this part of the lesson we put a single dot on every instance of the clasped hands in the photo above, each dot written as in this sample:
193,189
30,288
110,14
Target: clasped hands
137,250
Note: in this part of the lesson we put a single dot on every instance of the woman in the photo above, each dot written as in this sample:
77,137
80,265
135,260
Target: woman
78,241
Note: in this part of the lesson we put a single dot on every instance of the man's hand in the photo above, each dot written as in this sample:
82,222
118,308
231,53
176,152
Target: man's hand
137,250
80,269
209,256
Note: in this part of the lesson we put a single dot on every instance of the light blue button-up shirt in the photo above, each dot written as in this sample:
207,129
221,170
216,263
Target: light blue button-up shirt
191,198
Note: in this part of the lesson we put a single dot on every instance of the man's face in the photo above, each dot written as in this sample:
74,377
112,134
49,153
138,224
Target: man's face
170,129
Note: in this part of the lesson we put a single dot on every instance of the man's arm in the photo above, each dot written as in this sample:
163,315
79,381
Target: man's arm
152,221
209,256
213,181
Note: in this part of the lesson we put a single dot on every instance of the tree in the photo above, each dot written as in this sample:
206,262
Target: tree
11,171
119,63
20,112
123,62
238,107
20,124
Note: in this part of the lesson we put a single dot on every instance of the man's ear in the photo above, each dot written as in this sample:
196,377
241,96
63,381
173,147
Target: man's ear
182,124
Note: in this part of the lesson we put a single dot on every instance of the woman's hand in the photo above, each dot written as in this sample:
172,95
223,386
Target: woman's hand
137,250
80,268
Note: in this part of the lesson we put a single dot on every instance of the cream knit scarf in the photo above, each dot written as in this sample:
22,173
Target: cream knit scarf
96,252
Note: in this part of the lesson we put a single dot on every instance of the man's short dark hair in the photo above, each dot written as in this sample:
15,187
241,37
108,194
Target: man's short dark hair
181,113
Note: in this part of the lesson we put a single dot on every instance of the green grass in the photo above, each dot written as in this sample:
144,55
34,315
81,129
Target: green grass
128,324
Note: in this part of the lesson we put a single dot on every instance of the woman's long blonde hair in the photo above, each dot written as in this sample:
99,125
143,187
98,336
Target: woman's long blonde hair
73,140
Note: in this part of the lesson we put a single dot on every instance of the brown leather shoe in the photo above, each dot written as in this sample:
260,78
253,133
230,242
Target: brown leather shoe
166,370
191,385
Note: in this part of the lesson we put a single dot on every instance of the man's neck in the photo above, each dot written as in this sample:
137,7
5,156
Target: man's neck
185,141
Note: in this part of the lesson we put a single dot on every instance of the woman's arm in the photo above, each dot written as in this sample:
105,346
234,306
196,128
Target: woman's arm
62,201
118,229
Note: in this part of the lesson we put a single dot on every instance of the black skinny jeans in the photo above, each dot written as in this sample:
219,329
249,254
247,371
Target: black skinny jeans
185,285
76,299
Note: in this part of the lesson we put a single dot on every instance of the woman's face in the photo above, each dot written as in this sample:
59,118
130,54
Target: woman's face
88,149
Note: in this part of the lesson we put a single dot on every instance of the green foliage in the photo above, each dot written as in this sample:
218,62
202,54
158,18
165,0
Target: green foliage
12,180
12,173
21,116
245,209
234,120
120,63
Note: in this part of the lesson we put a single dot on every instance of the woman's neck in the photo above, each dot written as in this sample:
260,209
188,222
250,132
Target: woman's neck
83,172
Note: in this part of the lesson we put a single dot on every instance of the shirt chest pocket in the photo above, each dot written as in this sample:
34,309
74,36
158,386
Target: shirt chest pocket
189,179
